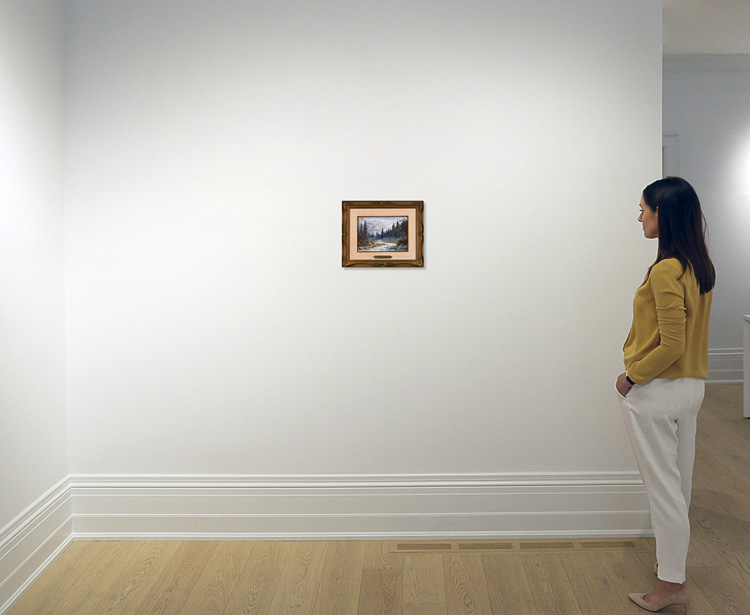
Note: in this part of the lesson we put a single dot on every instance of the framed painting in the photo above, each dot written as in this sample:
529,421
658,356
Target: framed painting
382,234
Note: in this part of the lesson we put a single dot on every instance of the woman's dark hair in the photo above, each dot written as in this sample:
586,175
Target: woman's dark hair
682,228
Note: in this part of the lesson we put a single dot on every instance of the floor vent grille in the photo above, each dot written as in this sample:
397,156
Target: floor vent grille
523,546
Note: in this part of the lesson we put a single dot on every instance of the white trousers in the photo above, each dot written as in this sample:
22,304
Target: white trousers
660,417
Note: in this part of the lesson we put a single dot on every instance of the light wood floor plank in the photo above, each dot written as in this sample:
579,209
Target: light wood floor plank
592,586
729,538
341,579
719,589
95,581
719,472
425,609
381,592
129,587
549,584
507,585
300,579
171,590
215,586
716,453
259,579
725,402
466,585
424,579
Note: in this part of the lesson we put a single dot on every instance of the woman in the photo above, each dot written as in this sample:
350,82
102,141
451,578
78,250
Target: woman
666,362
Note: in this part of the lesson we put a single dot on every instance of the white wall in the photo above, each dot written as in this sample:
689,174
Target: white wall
211,327
33,430
707,106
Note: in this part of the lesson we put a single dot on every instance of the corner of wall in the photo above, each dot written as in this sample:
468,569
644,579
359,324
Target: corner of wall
33,540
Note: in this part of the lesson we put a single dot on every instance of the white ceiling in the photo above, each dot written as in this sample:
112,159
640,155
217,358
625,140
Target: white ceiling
706,26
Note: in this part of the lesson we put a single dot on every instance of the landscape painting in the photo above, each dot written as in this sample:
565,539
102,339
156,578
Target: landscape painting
382,234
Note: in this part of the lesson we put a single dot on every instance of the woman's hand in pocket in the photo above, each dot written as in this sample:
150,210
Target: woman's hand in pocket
622,385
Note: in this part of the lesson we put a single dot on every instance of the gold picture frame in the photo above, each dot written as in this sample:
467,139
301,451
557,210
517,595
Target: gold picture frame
382,234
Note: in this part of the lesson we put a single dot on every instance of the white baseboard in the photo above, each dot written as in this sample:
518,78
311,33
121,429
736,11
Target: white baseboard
706,61
179,507
359,507
32,541
725,365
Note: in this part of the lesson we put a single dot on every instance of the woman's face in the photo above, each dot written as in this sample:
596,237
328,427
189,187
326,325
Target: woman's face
649,218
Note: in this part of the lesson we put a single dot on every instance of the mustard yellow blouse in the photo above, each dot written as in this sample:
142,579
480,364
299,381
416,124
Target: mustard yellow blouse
669,335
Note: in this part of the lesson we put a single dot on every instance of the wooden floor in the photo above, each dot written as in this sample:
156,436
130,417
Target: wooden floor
358,578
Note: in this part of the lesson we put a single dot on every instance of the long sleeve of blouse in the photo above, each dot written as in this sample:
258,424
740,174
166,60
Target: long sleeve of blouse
669,335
